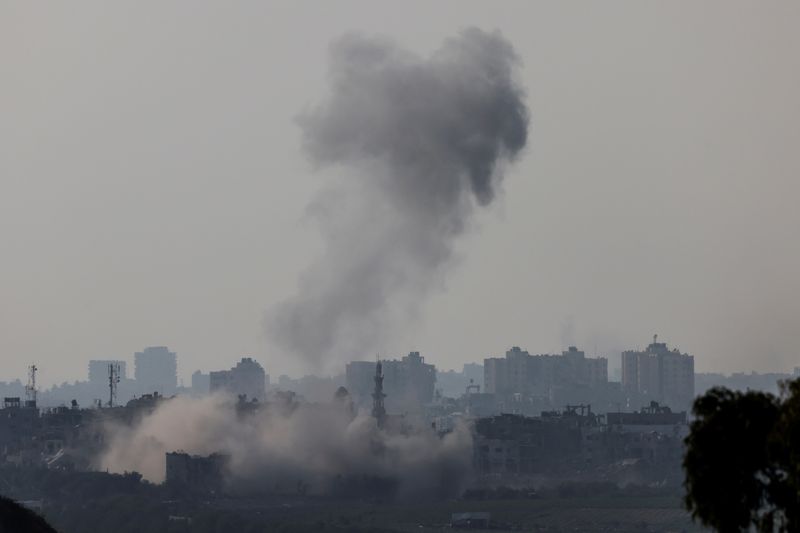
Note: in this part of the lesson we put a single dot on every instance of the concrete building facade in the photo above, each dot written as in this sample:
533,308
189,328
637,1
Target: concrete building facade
98,371
246,378
156,370
544,379
658,374
205,473
408,383
201,383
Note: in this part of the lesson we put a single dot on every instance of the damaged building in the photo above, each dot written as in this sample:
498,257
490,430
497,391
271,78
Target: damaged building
205,473
576,440
515,444
58,437
247,379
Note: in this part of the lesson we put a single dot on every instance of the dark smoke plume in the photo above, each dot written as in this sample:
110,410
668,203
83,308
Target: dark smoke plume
417,143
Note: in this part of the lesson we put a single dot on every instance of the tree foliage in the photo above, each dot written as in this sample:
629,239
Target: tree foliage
742,461
15,517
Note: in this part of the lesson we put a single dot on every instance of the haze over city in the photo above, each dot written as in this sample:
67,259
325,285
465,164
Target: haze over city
156,190
373,267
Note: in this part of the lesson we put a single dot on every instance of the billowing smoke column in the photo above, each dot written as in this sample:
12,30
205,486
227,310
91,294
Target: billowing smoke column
417,143
275,447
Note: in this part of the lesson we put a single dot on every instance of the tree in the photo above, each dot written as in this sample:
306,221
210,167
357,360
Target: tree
742,460
14,517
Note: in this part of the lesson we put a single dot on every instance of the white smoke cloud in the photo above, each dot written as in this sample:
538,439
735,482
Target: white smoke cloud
274,447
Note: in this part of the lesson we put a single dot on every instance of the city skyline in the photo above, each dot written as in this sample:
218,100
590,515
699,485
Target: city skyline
367,266
185,369
655,193
658,372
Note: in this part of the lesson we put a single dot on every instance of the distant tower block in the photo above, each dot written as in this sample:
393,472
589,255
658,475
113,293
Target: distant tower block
378,410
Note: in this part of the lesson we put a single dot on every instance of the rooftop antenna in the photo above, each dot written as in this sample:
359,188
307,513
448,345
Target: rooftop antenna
30,388
655,338
113,381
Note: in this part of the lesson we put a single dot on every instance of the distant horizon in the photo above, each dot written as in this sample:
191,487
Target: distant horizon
389,266
184,188
613,366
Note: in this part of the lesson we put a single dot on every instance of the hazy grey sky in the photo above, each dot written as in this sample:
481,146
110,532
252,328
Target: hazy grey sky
154,189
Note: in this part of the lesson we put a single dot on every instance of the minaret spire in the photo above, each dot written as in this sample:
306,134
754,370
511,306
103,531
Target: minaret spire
378,410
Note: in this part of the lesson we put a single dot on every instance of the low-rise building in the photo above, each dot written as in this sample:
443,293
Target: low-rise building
198,472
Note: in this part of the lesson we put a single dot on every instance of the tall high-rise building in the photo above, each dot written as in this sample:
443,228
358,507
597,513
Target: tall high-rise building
98,371
640,373
156,370
660,374
408,383
359,380
246,378
494,375
584,370
525,375
201,383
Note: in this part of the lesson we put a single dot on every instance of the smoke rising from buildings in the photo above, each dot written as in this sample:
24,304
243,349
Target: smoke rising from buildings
415,145
278,447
